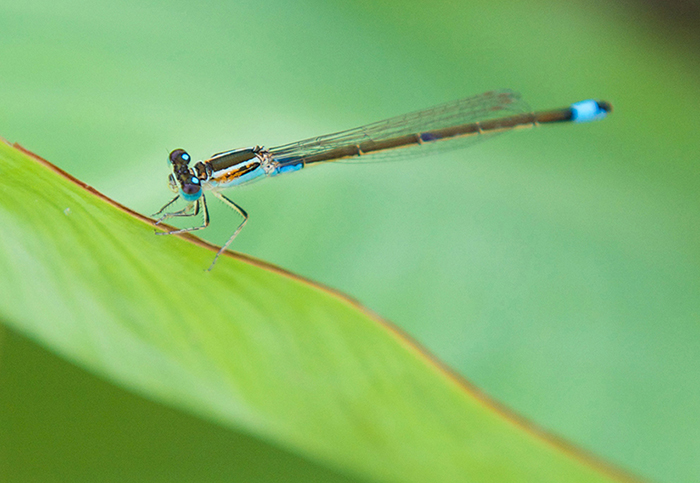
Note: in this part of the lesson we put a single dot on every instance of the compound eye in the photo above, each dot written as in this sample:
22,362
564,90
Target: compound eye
179,156
192,190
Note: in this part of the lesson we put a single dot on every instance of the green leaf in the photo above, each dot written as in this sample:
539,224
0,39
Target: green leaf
248,346
60,423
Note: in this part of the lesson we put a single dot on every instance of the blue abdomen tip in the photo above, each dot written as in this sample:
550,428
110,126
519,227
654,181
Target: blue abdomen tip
589,110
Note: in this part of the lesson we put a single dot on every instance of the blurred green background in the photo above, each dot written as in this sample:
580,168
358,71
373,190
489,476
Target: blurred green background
557,269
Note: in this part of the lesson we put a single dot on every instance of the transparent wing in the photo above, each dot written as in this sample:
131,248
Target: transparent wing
380,138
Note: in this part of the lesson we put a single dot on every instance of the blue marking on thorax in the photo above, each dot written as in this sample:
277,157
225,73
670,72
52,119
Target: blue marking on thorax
256,173
586,111
246,178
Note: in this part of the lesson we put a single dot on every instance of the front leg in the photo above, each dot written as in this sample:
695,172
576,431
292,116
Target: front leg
241,212
182,212
165,206
203,202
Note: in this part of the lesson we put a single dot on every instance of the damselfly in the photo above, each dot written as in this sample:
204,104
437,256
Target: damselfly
472,118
